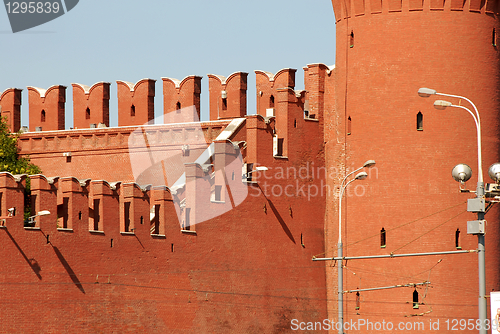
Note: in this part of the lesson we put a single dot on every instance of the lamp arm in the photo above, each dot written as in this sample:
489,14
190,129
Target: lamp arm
354,171
476,117
479,150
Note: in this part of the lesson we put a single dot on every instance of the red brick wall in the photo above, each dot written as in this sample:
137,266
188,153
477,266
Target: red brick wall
411,193
248,270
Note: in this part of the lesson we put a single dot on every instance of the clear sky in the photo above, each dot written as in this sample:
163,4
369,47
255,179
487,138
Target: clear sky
109,40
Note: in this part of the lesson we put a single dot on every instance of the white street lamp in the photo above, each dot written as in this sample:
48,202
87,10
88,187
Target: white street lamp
340,284
474,205
31,219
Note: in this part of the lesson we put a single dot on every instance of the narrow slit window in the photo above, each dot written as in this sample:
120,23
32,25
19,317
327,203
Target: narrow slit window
351,39
349,121
494,37
415,298
178,106
358,301
132,111
87,113
420,121
457,239
271,101
42,117
383,236
294,123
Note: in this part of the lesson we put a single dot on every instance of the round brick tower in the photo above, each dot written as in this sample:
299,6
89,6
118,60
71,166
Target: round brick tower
386,51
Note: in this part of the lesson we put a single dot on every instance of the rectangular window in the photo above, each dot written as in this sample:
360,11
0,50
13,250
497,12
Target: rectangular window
64,213
218,190
187,219
127,227
95,215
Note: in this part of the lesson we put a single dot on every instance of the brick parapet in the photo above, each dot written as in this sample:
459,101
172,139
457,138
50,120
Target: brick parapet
358,8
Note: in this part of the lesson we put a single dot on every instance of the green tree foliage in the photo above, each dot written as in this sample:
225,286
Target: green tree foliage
10,161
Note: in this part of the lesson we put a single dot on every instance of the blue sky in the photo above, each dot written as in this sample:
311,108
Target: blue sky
129,40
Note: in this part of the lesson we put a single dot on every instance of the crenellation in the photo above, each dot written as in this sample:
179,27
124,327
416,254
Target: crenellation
228,96
178,95
135,102
135,206
266,86
91,104
47,108
44,197
10,107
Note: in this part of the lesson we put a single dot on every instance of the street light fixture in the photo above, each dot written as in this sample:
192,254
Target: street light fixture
494,172
31,219
247,175
340,284
461,174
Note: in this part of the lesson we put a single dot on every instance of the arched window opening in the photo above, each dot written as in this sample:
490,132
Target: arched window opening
420,121
178,106
224,104
271,101
415,298
132,111
87,113
42,118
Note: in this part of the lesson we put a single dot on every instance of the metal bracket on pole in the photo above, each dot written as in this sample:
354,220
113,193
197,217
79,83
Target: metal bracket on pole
476,204
476,227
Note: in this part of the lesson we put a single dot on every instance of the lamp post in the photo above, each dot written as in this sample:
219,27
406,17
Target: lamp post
340,287
474,205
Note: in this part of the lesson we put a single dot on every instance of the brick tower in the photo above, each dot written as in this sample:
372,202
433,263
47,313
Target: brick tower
386,51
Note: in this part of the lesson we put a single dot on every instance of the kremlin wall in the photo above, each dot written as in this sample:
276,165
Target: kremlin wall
220,236
124,253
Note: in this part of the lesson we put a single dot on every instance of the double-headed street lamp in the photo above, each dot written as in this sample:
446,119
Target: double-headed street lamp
462,173
359,176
